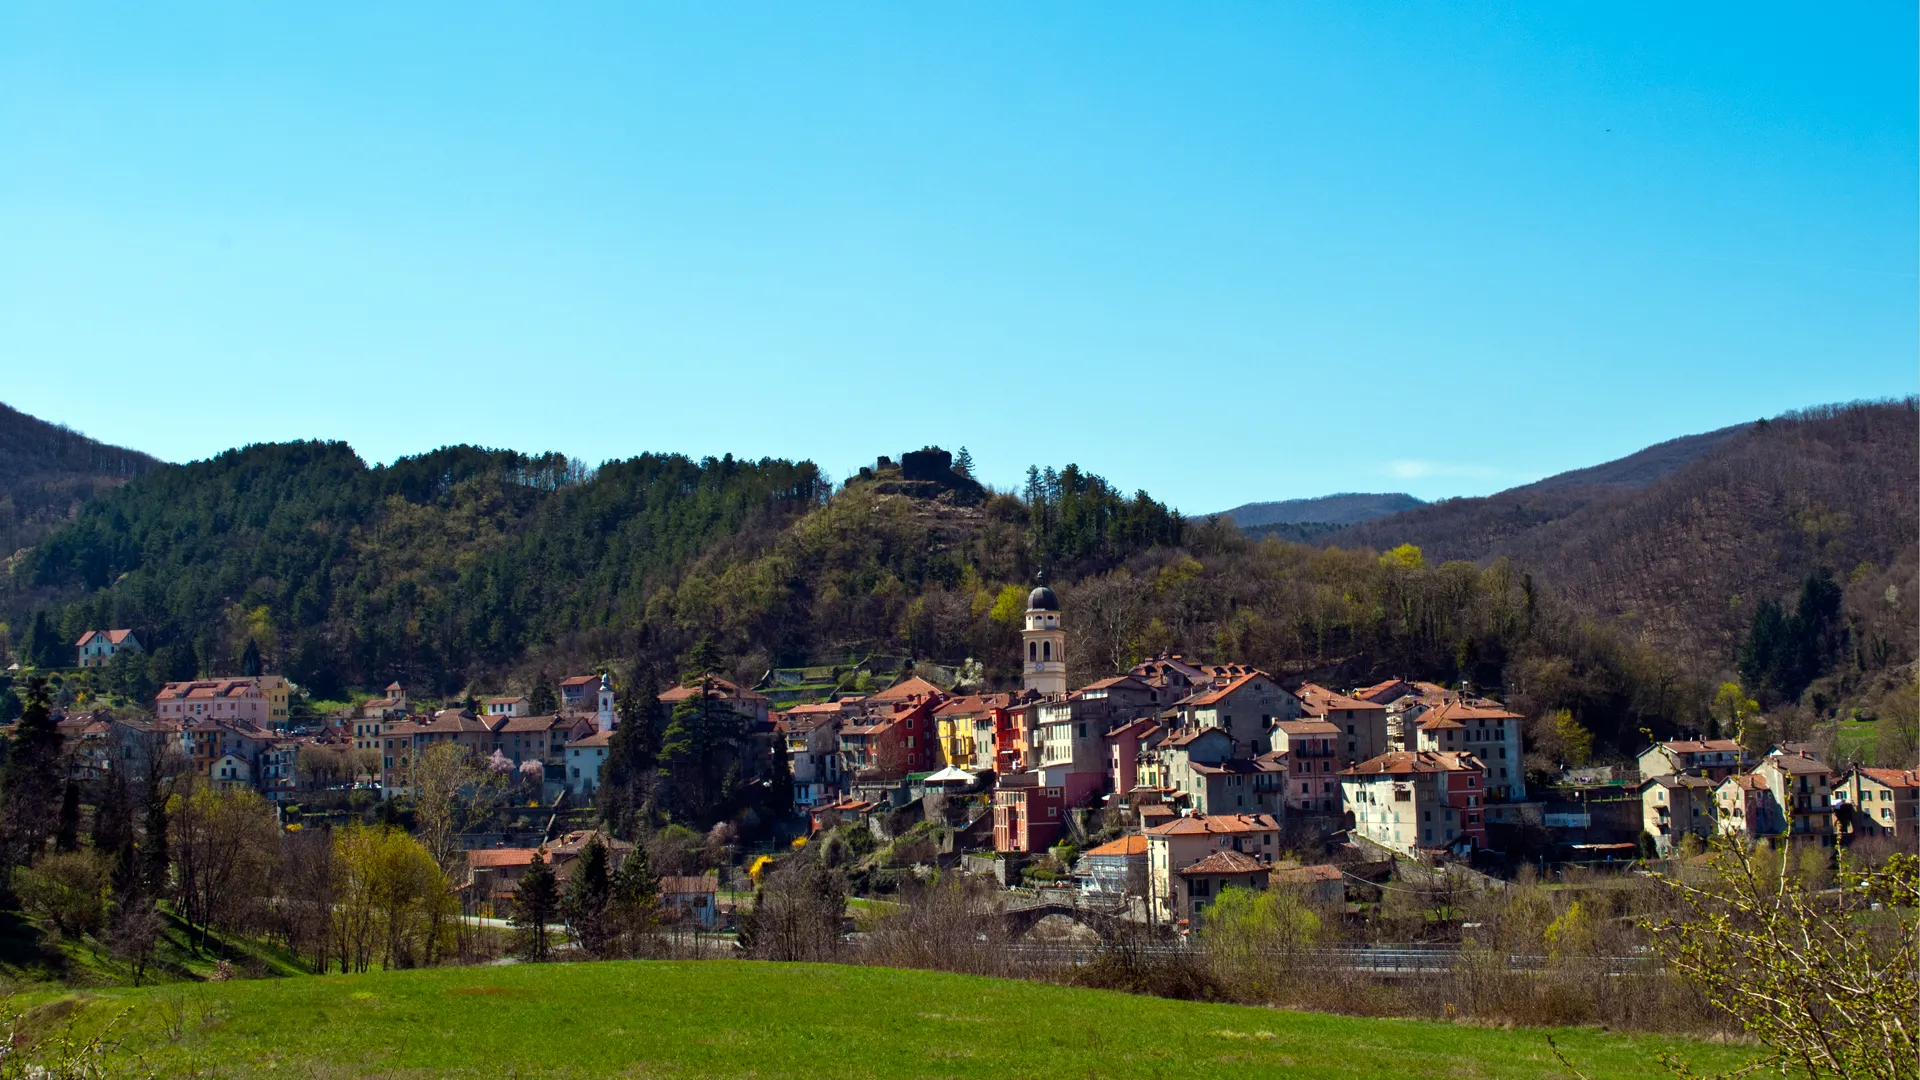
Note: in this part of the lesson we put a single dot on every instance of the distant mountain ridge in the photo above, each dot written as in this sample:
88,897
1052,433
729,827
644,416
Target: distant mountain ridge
1684,538
48,471
1346,508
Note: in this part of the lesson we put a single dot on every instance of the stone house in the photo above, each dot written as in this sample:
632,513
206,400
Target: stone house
1418,802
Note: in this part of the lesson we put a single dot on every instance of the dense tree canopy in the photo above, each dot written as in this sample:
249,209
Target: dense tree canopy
344,575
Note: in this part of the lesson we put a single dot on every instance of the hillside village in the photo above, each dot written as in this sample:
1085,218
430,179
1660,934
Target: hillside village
1146,792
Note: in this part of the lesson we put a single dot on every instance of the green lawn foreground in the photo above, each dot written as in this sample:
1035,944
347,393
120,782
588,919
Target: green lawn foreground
744,1019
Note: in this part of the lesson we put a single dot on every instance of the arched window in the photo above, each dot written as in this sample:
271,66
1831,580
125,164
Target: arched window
1046,650
1032,651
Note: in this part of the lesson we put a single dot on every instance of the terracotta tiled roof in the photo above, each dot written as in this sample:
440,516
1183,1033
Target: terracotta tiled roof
913,686
1702,746
1135,844
208,689
1225,861
1139,726
581,680
1301,875
1377,690
1319,699
721,689
598,738
1405,763
1894,778
1216,824
1191,736
1677,781
1239,767
812,708
490,858
114,636
516,724
1114,682
1301,729
974,704
1214,697
1798,764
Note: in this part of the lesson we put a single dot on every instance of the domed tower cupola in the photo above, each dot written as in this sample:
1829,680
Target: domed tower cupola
1045,642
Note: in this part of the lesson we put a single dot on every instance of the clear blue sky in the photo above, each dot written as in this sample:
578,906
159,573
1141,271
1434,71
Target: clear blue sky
1220,251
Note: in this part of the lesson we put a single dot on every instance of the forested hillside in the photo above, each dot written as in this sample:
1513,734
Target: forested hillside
470,570
431,569
468,566
47,472
1687,558
1350,508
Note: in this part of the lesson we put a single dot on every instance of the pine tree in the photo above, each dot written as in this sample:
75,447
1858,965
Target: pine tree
31,780
535,903
250,659
964,463
696,750
634,897
540,700
67,836
588,892
703,659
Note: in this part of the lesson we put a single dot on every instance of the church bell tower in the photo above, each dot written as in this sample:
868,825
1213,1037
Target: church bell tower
1045,641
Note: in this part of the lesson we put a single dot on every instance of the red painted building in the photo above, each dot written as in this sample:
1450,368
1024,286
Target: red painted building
1027,815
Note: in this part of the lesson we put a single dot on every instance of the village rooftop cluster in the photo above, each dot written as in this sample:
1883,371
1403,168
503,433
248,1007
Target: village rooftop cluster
1217,768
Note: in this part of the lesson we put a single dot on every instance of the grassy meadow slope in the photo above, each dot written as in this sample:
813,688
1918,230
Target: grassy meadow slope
730,1019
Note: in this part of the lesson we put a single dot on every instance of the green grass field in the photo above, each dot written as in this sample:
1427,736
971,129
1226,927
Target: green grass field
741,1019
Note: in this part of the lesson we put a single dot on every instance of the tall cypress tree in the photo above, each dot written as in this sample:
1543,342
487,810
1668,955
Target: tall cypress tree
67,836
153,842
780,786
250,659
31,781
113,818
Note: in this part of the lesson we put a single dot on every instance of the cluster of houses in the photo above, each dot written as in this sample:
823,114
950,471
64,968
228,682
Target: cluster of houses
1704,788
237,732
1216,768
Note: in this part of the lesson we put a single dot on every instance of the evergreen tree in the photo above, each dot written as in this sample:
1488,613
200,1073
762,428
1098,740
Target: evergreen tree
697,752
964,463
535,903
153,841
1784,653
540,699
632,902
701,660
635,881
67,836
588,892
632,753
113,818
31,781
780,785
250,659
